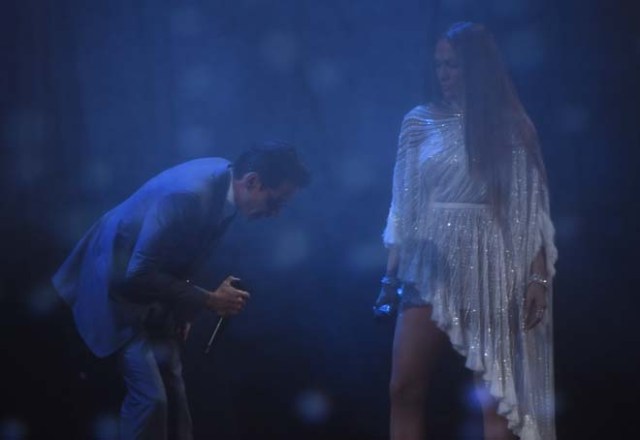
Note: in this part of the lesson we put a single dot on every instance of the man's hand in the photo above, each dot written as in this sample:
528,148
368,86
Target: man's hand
226,300
535,305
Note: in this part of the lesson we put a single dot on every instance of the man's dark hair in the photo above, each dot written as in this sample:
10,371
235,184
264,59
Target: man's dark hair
276,162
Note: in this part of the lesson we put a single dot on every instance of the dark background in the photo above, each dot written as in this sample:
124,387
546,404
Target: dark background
99,96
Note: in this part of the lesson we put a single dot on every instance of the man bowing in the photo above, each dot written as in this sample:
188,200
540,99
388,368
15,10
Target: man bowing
127,280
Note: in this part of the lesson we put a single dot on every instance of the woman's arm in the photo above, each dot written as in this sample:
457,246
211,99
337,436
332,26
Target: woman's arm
535,302
393,261
539,264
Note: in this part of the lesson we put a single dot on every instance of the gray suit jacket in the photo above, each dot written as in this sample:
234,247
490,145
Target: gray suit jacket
143,251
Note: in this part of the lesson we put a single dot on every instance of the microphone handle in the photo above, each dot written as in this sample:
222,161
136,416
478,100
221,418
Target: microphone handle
218,325
213,335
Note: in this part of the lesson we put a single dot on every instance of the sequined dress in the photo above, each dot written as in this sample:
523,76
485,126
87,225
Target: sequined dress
473,272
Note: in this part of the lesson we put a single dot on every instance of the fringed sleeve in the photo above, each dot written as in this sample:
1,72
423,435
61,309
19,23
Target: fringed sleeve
405,179
532,232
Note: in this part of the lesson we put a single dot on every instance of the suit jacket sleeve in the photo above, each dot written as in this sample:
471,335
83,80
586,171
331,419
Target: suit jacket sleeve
166,239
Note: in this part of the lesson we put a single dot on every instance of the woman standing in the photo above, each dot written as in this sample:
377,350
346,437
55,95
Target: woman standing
471,249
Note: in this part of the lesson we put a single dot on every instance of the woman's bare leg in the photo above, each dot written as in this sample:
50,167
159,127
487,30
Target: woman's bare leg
495,425
416,345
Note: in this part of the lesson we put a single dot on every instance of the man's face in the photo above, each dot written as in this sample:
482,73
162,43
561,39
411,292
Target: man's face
255,201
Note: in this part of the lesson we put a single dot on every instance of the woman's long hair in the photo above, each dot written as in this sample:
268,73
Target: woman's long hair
493,113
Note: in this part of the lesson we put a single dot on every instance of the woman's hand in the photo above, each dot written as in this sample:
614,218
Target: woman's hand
386,305
535,305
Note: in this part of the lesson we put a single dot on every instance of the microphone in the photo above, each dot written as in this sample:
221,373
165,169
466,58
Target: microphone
237,285
213,335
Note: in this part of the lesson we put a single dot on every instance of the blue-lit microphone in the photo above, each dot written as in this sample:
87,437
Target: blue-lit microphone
236,284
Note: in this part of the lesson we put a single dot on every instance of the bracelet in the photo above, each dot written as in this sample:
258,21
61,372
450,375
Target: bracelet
538,279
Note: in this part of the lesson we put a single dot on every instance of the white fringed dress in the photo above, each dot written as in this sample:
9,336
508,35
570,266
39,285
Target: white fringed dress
473,272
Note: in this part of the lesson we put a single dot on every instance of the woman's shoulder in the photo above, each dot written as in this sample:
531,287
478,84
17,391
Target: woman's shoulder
431,111
419,111
520,129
